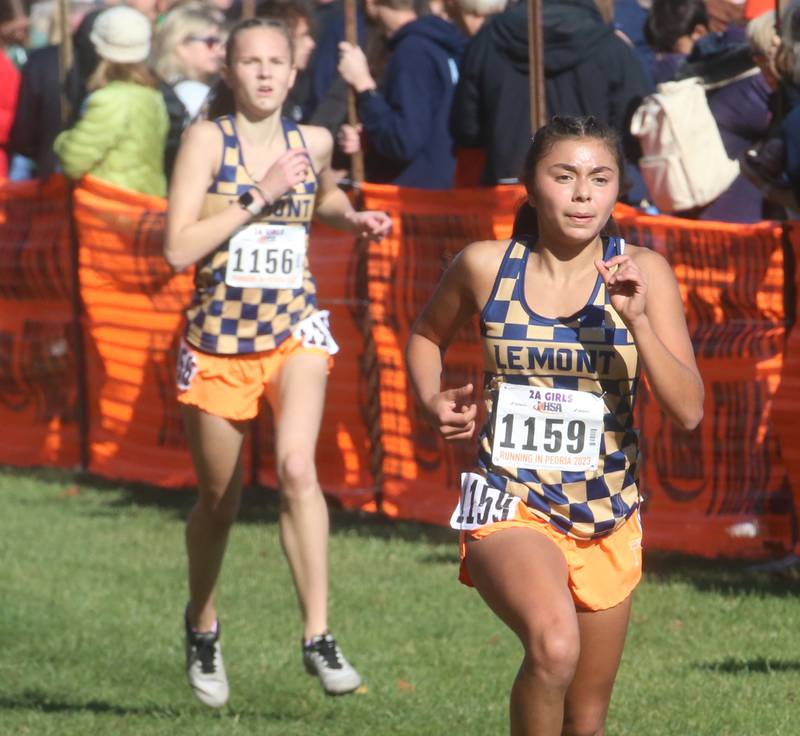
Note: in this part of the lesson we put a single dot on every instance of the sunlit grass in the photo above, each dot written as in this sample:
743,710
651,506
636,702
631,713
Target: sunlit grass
92,590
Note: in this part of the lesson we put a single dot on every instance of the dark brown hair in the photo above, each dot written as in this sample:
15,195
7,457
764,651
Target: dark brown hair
561,128
221,100
291,12
670,20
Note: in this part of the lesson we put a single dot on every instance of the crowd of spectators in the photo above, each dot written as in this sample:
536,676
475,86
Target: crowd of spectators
436,84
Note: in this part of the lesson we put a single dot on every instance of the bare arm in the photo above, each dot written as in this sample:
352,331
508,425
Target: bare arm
645,293
188,238
333,207
452,411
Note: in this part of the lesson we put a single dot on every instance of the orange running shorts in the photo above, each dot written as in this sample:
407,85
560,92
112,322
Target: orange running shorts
230,386
602,572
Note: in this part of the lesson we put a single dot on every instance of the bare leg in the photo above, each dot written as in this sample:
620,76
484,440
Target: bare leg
216,447
298,404
522,576
589,695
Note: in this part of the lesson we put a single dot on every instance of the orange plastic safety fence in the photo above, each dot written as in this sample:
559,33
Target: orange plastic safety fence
418,472
343,448
786,407
134,306
38,375
727,488
723,489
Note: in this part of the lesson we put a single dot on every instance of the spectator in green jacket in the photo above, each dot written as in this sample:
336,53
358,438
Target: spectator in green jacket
121,132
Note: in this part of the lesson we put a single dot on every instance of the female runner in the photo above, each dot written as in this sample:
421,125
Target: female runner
550,529
245,187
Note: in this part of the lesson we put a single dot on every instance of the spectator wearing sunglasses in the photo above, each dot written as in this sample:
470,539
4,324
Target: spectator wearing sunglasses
187,55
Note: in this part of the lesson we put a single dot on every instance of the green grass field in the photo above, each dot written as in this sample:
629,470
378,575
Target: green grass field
92,591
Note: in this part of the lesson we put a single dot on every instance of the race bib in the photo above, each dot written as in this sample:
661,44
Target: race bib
480,504
546,428
186,367
315,332
267,256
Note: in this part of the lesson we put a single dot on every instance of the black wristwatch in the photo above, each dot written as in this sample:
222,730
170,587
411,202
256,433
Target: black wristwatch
248,202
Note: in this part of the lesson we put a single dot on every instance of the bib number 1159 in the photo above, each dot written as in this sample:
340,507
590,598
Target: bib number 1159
557,433
541,428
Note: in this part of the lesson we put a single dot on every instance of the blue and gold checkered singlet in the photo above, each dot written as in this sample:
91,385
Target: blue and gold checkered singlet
229,320
591,351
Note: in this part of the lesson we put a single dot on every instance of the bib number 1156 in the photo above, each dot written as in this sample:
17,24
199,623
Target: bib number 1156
267,256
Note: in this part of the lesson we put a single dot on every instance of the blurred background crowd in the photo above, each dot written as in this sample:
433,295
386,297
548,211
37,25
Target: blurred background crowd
441,86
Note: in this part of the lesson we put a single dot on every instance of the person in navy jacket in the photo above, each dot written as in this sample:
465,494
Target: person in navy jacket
405,123
588,70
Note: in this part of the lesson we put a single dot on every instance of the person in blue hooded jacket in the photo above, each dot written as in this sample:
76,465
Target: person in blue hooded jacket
406,122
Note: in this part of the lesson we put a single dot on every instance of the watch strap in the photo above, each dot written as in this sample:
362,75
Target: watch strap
248,202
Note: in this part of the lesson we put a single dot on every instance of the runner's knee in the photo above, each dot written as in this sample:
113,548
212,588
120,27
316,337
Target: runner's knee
590,721
220,509
552,656
296,473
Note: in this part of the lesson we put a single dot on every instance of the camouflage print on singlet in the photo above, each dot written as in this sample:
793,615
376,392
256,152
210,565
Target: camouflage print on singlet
591,351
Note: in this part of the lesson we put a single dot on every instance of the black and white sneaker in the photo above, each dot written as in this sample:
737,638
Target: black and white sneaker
322,657
204,668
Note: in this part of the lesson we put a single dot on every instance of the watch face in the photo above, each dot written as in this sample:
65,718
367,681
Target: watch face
248,202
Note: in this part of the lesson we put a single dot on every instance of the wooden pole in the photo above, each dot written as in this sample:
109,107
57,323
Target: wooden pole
351,36
17,11
536,64
65,61
606,8
65,58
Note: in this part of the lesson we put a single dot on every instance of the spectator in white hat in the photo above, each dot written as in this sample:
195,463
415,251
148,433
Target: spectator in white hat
121,133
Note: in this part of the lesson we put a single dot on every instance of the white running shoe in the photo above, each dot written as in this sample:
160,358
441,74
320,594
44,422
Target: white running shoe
204,667
322,657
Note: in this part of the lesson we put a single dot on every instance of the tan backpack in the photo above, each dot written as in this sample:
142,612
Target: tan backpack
685,164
